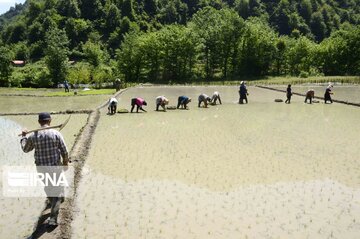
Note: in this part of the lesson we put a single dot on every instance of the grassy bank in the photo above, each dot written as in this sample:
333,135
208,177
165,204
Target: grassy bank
287,80
88,92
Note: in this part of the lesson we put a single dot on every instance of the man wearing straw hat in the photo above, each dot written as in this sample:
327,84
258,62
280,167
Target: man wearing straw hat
49,148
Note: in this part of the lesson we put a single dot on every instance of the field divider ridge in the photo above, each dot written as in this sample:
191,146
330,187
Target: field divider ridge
316,97
78,155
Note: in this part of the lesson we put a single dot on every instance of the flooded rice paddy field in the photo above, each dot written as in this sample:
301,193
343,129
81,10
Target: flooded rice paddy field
348,93
19,215
21,104
261,170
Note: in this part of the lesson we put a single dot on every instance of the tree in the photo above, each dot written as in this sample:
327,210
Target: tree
179,50
243,8
91,9
69,8
130,57
127,9
56,58
206,27
340,54
305,10
150,7
5,66
256,48
112,19
94,54
300,55
318,26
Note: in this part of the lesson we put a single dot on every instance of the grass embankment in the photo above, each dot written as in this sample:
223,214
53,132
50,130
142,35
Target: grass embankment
53,91
88,92
287,80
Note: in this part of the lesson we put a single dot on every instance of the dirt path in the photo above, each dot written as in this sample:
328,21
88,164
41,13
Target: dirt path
78,156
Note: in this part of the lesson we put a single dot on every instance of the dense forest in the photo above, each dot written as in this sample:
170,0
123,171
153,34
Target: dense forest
177,41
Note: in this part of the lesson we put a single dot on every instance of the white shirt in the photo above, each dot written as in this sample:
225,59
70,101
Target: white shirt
113,100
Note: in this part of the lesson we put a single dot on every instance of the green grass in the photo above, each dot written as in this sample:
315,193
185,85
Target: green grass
88,92
287,80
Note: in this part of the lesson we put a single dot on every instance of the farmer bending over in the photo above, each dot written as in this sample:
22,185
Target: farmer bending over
310,94
183,101
215,97
139,102
49,148
328,93
204,98
112,105
161,101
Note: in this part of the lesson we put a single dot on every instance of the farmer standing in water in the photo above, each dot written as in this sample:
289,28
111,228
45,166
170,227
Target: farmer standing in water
49,148
243,93
328,93
288,94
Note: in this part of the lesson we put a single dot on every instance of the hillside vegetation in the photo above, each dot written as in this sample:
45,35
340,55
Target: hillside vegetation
177,41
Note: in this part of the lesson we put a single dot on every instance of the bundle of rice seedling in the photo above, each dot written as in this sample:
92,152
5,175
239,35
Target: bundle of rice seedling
171,107
278,100
122,111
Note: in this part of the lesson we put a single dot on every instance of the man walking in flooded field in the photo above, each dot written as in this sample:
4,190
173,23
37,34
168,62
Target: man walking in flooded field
288,94
161,101
215,97
139,102
204,98
310,94
328,93
49,148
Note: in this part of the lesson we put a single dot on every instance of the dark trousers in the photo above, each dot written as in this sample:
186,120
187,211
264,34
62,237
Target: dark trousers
112,108
181,103
327,98
308,98
242,98
55,194
216,98
133,103
287,101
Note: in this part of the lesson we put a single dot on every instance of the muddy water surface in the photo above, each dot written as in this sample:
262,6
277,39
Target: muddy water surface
260,170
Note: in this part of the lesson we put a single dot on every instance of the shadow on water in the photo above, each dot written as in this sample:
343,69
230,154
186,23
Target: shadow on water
41,227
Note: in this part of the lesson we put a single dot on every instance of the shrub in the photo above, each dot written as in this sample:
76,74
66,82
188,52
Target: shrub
303,74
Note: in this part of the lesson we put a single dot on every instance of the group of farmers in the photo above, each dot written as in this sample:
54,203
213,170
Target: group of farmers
162,101
310,95
50,147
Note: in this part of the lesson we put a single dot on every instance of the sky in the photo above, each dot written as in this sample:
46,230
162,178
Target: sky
6,4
